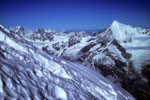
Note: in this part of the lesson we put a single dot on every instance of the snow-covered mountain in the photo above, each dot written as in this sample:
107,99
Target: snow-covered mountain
118,52
103,53
124,33
134,39
111,52
27,72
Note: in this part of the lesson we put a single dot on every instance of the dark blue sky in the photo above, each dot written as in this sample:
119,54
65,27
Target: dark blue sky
74,14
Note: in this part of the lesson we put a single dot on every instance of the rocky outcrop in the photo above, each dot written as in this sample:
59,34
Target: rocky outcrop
74,40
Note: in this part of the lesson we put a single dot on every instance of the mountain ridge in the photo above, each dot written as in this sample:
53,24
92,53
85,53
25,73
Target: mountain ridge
106,52
27,72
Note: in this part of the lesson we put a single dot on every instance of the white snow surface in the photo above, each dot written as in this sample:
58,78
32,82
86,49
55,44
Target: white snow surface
60,93
27,73
140,50
124,32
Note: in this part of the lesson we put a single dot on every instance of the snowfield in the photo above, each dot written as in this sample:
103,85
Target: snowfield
28,73
120,53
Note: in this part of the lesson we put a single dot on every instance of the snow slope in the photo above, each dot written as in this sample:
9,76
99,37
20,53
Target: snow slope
140,50
28,73
120,51
124,33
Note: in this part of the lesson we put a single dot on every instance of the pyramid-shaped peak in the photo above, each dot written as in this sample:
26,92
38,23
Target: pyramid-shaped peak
115,22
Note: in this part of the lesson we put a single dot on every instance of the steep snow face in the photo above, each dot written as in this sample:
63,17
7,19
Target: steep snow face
4,37
120,31
135,40
33,74
124,33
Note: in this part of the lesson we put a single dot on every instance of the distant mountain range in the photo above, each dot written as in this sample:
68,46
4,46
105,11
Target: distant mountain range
119,52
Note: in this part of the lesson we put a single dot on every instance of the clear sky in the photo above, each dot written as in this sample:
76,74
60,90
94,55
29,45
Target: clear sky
74,14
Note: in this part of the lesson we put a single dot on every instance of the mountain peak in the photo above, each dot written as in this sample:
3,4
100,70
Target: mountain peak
122,32
115,23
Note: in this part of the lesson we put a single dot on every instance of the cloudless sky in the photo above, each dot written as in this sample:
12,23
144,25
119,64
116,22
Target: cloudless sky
74,14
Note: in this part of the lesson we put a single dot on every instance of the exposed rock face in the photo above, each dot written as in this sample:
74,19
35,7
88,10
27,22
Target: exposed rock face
56,46
88,47
42,35
74,40
124,53
146,71
41,30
